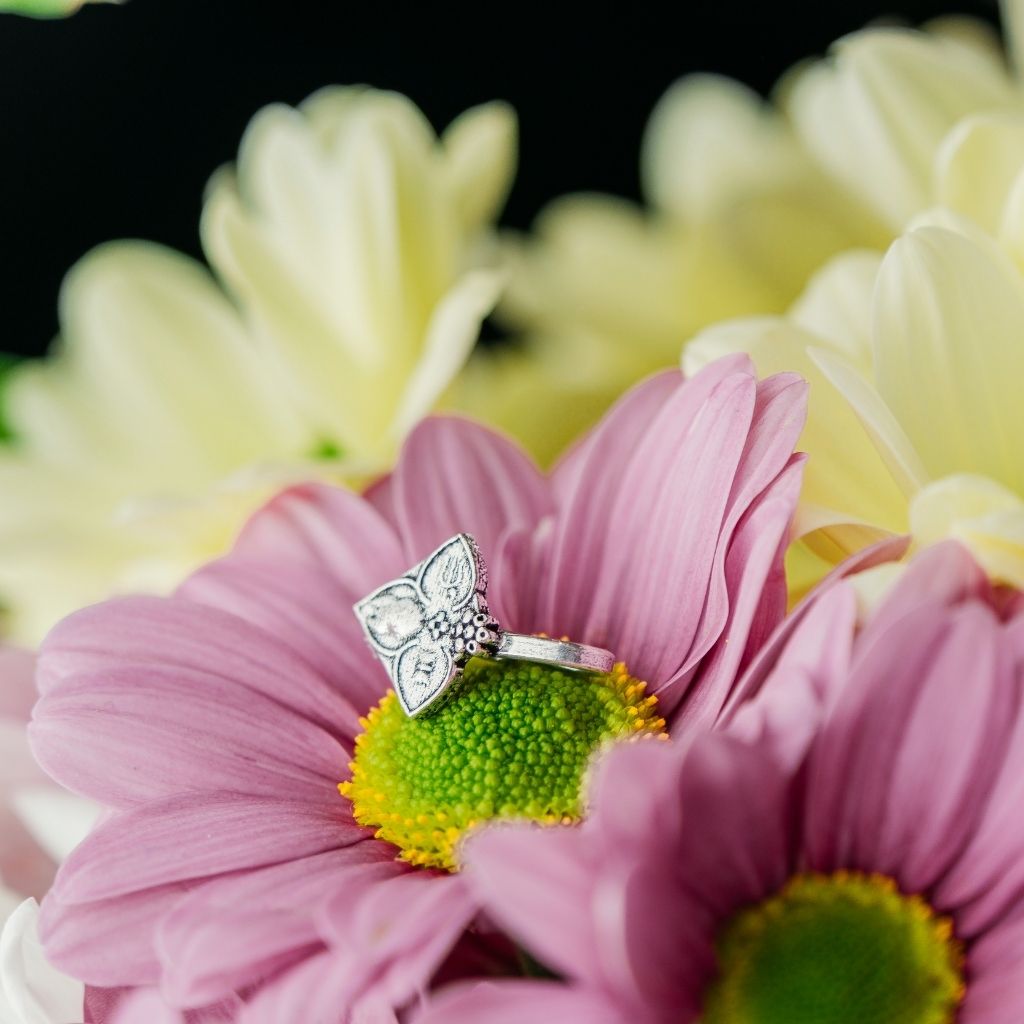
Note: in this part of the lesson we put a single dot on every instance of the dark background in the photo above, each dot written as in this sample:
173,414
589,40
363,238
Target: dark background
111,121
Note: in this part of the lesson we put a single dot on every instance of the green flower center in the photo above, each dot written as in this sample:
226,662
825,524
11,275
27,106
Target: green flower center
837,949
512,741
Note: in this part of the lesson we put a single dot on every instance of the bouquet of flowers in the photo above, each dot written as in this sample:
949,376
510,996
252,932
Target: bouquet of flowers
664,666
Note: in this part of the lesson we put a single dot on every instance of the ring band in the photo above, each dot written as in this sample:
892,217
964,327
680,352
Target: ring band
426,625
563,653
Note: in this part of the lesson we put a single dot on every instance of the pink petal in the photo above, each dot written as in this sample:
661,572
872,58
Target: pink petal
299,566
586,483
612,440
779,413
305,609
107,944
522,566
392,937
804,683
328,529
661,961
653,580
734,847
779,416
195,836
101,1003
144,633
525,1002
592,902
145,1005
986,882
889,550
633,790
538,883
455,476
381,495
650,955
942,575
754,582
232,931
819,644
126,736
922,726
24,867
311,992
995,965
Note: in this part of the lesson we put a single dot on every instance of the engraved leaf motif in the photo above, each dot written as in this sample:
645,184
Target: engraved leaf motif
410,621
393,616
449,577
422,672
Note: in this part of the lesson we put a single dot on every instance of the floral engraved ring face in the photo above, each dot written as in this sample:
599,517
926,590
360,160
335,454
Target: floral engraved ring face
427,624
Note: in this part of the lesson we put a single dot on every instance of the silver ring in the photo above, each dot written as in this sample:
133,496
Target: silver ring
427,624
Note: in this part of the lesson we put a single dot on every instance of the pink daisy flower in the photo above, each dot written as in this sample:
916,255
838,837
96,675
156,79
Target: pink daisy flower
870,871
217,724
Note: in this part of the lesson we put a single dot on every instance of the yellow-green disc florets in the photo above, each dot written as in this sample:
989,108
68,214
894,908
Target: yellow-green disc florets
512,741
845,948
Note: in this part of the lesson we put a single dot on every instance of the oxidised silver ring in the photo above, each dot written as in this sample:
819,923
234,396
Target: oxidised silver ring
427,624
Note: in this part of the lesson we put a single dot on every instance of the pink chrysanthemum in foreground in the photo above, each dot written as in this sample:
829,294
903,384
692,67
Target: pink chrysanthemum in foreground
217,724
868,869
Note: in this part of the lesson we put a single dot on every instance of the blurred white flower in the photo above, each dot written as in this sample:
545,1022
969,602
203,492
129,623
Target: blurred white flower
915,417
353,246
747,199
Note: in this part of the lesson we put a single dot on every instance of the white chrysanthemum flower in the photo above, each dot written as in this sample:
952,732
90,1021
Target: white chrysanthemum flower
747,199
877,113
32,991
915,363
352,244
913,358
738,217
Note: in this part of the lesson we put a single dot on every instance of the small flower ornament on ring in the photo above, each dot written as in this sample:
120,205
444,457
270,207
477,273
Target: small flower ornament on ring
427,624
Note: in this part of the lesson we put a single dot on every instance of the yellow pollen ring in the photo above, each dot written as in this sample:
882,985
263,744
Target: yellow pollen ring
838,948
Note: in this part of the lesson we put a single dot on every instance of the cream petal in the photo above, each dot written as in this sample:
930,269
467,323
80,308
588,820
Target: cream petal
948,357
342,232
597,266
836,305
530,397
977,165
354,294
987,517
145,335
892,444
709,140
481,150
844,474
877,111
1011,227
451,335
